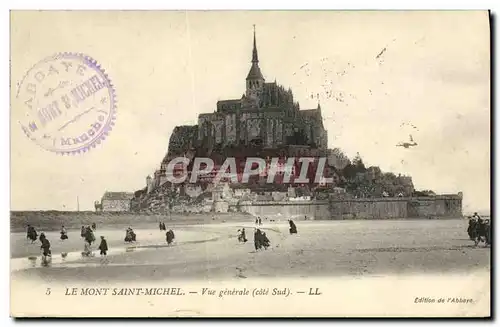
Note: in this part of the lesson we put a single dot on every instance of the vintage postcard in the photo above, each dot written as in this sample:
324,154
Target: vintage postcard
250,164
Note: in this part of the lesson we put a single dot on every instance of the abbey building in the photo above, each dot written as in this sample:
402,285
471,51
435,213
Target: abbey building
265,116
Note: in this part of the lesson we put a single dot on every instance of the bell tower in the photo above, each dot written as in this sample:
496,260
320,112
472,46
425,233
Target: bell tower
255,80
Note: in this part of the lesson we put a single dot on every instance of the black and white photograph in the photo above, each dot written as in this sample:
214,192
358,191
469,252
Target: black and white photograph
250,163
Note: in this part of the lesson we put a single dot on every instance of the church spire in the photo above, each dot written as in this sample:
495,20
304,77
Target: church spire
255,74
255,56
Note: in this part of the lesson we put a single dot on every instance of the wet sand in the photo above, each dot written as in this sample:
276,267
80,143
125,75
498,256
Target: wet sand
321,248
21,247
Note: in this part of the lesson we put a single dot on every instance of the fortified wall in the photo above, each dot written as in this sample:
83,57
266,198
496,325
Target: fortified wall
440,206
317,210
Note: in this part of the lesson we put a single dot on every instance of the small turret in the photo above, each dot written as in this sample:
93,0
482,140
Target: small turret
149,184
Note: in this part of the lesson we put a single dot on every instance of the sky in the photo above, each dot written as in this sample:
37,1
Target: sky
379,77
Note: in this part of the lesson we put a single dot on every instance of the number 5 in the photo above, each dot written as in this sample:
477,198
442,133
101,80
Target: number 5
48,291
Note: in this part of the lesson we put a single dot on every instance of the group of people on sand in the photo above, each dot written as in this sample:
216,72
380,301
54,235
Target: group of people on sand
87,232
31,234
169,235
260,238
88,235
479,230
103,248
242,237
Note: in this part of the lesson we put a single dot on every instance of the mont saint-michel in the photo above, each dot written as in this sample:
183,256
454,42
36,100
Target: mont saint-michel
251,164
267,122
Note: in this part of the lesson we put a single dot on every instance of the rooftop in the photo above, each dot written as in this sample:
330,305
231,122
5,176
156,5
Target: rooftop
117,196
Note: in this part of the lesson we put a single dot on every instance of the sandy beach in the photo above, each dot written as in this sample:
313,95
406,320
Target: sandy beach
334,248
357,268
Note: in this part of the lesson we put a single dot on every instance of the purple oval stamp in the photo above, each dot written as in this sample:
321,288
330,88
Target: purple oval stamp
69,103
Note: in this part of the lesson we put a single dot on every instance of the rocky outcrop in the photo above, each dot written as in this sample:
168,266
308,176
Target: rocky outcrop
183,138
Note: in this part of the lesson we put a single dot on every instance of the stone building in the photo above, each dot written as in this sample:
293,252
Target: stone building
266,115
116,201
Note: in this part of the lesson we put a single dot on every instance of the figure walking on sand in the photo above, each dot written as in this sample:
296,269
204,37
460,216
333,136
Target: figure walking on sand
242,236
64,233
31,233
257,239
471,230
293,228
89,235
46,254
103,247
130,235
87,250
89,239
478,219
265,241
170,236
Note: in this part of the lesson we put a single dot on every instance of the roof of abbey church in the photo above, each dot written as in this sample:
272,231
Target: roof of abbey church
313,113
255,72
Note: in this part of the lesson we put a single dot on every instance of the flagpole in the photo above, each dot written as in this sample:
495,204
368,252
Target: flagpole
77,204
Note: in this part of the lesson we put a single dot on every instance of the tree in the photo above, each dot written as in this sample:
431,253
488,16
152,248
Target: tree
338,159
349,171
359,164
